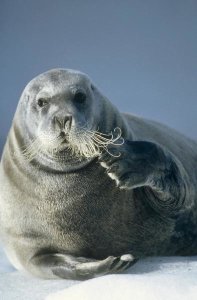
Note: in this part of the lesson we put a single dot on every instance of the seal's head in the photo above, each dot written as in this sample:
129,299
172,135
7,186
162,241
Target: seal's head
61,110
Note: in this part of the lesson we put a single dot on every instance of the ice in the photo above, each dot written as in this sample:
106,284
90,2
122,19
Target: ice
133,287
169,278
17,286
173,278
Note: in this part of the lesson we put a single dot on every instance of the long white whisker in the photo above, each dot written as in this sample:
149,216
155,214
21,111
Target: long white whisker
81,142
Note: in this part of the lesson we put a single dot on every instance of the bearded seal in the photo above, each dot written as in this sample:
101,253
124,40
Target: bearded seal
87,190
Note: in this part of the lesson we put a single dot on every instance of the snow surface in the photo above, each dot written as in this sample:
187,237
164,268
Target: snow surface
17,286
161,278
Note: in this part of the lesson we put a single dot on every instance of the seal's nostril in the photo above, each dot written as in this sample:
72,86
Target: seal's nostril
57,121
67,121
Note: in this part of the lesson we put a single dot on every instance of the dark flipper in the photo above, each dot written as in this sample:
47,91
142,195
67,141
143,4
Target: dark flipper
137,164
69,267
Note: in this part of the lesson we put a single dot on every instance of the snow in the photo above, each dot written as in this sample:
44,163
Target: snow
122,287
17,286
172,278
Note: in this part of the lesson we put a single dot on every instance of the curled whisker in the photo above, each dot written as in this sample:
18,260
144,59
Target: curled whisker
81,142
91,143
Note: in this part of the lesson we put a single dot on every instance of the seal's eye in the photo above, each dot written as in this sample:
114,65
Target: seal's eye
80,97
41,102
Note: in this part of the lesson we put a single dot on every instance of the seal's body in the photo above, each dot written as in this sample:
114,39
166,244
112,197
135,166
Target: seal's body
72,207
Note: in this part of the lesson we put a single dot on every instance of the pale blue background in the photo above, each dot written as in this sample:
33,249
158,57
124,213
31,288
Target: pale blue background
141,53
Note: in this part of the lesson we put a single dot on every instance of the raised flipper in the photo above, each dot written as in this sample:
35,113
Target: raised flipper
142,164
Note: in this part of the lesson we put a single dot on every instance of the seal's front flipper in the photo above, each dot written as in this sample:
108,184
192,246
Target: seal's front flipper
109,265
137,164
70,267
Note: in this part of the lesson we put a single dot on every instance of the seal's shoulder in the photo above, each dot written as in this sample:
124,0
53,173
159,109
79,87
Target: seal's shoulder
169,138
148,128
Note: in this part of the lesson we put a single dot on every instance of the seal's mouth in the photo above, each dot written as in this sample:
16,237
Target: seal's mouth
80,144
64,137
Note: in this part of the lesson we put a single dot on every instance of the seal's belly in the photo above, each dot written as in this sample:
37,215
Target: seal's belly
81,216
96,220
75,214
84,218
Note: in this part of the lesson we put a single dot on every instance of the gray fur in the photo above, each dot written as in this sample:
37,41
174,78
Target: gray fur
76,217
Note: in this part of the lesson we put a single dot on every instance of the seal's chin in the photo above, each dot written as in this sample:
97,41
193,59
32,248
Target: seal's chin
61,148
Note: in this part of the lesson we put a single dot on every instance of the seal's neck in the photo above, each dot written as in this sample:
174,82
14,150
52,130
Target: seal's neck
61,163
